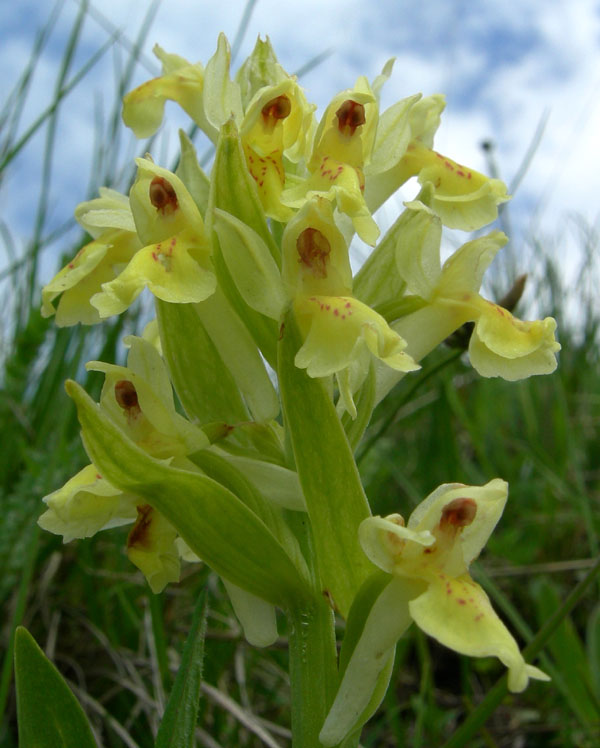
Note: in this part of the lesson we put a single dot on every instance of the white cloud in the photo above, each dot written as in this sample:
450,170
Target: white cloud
501,66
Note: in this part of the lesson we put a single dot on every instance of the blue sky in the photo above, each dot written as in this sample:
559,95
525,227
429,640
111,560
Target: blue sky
502,65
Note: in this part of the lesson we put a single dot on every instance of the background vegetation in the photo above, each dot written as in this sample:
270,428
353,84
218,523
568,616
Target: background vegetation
119,645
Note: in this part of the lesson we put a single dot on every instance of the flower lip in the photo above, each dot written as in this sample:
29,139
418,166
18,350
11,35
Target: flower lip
162,196
458,514
313,250
350,115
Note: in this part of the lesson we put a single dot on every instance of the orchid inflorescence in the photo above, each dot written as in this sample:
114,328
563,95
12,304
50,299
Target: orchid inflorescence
252,281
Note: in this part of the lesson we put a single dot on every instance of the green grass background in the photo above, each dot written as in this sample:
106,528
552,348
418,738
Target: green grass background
118,645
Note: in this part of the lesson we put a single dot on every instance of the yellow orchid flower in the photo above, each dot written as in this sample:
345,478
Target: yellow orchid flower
109,220
86,504
139,399
341,334
207,95
82,278
462,197
276,124
267,105
143,108
444,534
175,262
428,562
152,547
501,345
343,142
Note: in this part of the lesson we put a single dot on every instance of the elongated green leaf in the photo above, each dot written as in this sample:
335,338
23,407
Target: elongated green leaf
257,617
48,713
225,473
328,475
251,265
204,384
179,721
191,174
276,483
216,525
233,190
378,618
240,355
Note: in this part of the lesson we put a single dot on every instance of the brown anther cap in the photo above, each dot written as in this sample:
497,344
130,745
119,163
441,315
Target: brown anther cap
313,250
126,394
162,195
350,115
458,513
277,108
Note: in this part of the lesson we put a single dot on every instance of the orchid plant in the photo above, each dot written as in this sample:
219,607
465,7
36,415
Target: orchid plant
278,356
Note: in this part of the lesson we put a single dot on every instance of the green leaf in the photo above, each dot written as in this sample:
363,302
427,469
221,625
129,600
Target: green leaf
276,483
236,481
240,355
221,96
251,265
216,525
48,713
378,618
233,190
328,475
203,383
257,617
179,721
191,174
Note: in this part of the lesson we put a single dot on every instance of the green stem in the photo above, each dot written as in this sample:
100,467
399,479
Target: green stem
313,670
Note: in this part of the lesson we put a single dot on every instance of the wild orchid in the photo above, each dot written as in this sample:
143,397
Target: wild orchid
278,357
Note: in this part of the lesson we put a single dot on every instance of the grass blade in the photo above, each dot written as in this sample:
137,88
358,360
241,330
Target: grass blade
178,724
